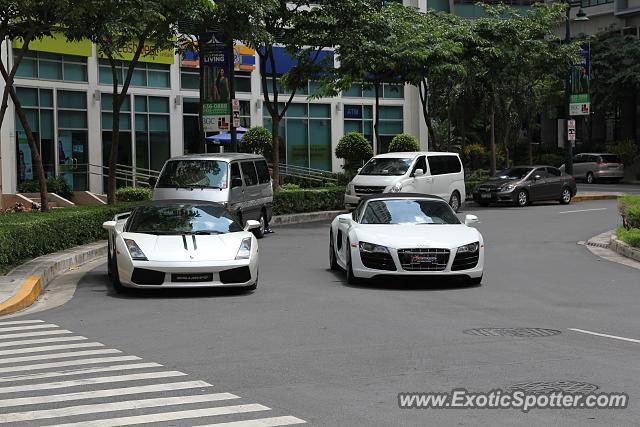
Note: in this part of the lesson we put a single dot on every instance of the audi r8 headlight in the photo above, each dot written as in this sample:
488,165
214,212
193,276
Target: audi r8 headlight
245,249
135,251
396,188
470,248
371,248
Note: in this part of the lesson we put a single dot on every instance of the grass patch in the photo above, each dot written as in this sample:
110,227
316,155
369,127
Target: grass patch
630,236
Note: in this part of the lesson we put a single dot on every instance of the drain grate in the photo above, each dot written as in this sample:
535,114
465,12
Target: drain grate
546,387
512,332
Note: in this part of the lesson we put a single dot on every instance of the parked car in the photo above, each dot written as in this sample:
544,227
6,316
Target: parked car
405,235
522,185
181,243
241,182
436,173
592,167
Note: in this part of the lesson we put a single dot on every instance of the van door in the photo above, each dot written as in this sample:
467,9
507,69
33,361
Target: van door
439,179
252,206
421,184
236,190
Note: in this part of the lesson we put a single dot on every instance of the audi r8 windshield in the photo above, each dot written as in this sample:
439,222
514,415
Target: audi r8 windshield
408,211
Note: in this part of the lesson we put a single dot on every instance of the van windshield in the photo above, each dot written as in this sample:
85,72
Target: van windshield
386,166
194,174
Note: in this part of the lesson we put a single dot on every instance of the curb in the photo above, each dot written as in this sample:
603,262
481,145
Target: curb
624,249
304,217
589,197
34,276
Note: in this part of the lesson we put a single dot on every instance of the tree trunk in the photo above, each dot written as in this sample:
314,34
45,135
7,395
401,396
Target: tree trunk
376,123
275,142
35,152
424,101
113,154
493,138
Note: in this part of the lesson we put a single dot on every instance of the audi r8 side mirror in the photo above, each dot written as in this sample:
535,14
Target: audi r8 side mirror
251,225
470,219
109,225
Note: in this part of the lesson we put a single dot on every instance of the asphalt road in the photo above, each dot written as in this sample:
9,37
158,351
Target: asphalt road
604,186
311,348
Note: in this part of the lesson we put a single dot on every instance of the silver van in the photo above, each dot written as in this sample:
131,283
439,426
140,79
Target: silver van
239,181
592,167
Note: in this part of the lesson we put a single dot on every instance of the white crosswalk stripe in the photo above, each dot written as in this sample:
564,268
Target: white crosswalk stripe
38,388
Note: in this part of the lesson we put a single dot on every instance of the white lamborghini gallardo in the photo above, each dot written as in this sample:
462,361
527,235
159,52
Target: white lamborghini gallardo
178,244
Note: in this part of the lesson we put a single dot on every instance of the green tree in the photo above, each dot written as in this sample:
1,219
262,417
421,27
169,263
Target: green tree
26,21
257,140
355,150
144,27
404,142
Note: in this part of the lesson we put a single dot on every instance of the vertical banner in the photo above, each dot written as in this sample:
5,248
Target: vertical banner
216,99
579,98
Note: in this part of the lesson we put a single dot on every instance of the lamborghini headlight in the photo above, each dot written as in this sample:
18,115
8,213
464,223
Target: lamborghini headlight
135,251
245,249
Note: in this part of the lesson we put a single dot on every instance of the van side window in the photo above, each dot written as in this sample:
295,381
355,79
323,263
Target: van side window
420,164
235,173
249,172
263,172
440,165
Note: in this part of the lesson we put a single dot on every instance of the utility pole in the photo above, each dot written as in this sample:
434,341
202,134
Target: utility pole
232,93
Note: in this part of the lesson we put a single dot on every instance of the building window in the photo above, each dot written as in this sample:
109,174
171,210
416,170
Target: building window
387,91
190,80
190,127
359,118
391,124
38,107
144,74
73,138
124,156
305,135
51,66
152,127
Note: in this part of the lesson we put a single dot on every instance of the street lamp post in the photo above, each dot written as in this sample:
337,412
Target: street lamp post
568,145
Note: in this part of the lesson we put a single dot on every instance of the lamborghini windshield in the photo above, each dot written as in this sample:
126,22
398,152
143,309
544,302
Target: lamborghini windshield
182,219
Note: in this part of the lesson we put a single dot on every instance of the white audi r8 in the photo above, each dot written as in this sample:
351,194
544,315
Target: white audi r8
178,244
405,234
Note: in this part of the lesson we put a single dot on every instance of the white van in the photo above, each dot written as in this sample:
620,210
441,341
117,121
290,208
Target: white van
436,173
241,182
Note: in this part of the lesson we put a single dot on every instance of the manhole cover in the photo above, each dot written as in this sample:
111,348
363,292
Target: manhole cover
512,332
539,387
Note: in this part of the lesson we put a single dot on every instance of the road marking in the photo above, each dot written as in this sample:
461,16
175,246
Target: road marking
115,406
83,371
261,422
27,327
50,347
584,210
598,334
169,416
164,387
68,363
20,322
59,355
40,341
36,334
88,381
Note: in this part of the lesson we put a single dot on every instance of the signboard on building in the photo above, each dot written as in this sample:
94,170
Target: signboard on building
216,97
244,57
353,112
579,98
58,43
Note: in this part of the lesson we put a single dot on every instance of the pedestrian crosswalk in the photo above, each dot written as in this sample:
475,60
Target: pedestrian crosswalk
50,376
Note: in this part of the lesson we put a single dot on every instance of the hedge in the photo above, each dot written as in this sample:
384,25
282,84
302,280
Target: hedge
32,234
630,237
629,208
133,194
289,201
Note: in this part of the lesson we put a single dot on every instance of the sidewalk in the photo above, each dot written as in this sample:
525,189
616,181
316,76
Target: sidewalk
584,196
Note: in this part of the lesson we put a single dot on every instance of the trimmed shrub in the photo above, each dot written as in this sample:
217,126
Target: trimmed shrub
627,150
32,234
289,201
257,140
55,185
551,159
354,149
630,237
133,194
404,142
629,208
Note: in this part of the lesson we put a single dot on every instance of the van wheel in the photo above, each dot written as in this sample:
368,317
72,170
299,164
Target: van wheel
259,232
454,201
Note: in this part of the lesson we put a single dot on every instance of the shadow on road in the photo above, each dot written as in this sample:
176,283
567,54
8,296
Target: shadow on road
406,283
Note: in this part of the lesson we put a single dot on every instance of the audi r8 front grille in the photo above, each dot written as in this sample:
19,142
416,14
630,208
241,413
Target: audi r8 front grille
365,190
424,259
465,261
377,261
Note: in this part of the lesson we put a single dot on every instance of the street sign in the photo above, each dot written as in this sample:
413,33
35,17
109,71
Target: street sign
235,105
215,116
236,119
571,130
